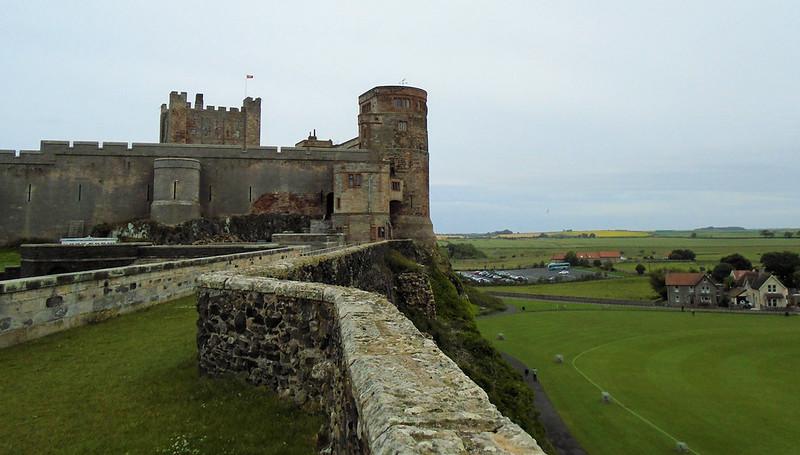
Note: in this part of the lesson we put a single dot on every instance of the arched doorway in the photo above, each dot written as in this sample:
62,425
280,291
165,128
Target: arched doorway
328,206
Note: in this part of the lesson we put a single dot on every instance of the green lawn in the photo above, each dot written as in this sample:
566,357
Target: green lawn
722,383
522,253
8,257
629,288
130,385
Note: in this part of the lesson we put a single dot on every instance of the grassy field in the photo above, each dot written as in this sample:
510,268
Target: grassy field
8,257
507,253
131,385
629,288
721,383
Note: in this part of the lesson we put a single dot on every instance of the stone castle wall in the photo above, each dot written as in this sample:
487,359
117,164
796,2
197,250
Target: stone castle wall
34,307
46,193
385,386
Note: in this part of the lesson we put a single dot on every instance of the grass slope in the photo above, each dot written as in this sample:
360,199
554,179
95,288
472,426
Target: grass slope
629,288
722,383
8,257
130,385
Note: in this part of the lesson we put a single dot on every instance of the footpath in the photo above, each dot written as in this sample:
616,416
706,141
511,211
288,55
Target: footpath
557,431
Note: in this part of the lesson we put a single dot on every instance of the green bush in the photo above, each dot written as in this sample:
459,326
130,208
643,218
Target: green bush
463,251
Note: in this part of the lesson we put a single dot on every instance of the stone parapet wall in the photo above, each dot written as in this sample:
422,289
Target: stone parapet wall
385,386
34,307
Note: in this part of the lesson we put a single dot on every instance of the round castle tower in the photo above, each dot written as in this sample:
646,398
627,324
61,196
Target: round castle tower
393,121
176,190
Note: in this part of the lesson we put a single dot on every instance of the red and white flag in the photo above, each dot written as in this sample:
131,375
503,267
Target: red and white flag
249,76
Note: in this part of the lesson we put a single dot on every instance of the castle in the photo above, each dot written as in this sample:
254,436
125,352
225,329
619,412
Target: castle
209,162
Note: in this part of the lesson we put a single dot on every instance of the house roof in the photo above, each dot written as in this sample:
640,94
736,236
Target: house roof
683,279
735,292
739,276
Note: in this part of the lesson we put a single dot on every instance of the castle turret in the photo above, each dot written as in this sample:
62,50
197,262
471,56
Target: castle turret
393,121
176,190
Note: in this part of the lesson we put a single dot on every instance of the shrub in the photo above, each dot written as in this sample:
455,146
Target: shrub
738,261
659,283
783,264
464,251
640,269
681,255
721,271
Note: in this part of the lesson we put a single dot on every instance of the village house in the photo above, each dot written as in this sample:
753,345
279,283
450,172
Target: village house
758,290
691,289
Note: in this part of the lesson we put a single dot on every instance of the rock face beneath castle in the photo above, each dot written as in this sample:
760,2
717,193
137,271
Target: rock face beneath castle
209,163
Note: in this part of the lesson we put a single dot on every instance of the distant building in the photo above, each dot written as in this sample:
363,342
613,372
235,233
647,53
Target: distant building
691,289
758,290
603,256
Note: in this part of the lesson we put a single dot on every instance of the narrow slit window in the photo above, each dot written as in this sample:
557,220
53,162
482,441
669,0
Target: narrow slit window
30,189
80,190
209,193
148,194
174,190
250,196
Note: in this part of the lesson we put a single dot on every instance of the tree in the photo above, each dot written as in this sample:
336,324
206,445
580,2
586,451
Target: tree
693,235
658,282
571,257
640,269
597,263
783,264
681,255
738,261
788,234
722,270
767,233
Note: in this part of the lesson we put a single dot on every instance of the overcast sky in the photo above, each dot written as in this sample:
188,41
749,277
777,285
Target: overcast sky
543,115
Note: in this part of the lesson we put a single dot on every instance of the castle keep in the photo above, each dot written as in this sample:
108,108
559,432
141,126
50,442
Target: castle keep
210,163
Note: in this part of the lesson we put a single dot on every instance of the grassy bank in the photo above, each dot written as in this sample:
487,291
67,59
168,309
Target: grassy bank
9,257
130,385
719,382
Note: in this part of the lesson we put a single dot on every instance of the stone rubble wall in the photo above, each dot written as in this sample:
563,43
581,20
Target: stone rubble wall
385,386
34,307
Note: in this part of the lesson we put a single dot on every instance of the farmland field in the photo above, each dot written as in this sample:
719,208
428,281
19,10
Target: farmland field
629,288
524,253
719,382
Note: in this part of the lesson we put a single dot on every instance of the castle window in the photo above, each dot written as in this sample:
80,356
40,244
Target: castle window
209,193
366,107
30,188
354,180
402,125
80,190
338,203
402,103
147,194
395,186
174,190
251,194
381,232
